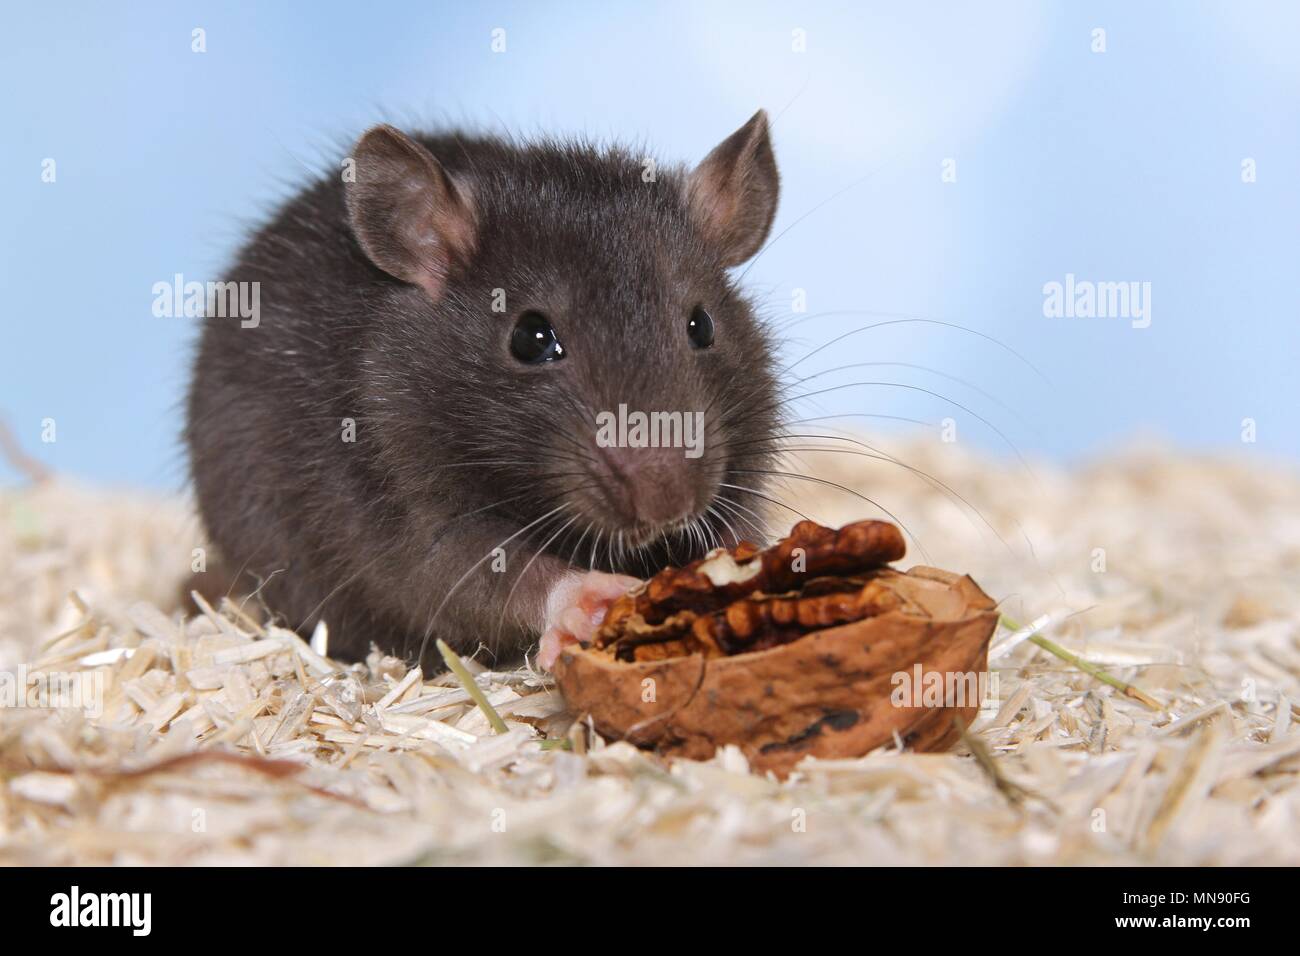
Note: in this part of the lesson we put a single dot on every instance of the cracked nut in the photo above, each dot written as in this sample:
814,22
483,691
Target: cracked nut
787,652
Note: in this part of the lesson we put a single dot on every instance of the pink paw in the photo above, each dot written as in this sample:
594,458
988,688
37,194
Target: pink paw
575,609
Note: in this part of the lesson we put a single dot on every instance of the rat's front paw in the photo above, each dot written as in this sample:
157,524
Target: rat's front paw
575,608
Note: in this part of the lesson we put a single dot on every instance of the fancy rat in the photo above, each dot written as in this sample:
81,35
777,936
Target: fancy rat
405,441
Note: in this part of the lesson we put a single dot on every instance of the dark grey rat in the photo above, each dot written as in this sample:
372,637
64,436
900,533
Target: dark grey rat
404,442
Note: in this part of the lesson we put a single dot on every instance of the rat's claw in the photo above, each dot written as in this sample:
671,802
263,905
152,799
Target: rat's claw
575,609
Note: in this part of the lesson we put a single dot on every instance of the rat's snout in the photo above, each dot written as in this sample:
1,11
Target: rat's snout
648,486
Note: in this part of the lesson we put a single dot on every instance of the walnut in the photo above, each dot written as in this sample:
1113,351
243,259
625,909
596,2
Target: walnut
764,620
781,653
810,550
746,599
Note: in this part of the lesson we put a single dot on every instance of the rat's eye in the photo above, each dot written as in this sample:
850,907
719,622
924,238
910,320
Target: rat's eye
700,328
533,341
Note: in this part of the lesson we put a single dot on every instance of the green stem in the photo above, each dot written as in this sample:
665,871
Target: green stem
1086,666
467,681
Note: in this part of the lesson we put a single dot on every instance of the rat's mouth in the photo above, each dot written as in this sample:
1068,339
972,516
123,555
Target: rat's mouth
692,535
637,548
641,535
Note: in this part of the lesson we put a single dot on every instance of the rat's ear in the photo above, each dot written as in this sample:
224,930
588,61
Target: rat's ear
733,192
410,217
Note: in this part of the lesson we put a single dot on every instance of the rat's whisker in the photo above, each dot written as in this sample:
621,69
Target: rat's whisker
666,535
833,484
373,561
715,537
758,524
693,534
921,474
777,444
519,578
688,531
976,415
765,497
924,368
735,538
433,620
708,534
574,553
903,318
895,418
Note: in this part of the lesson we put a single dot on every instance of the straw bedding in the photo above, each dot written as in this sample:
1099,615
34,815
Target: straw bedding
223,739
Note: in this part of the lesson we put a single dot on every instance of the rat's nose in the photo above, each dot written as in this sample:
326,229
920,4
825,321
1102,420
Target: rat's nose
649,486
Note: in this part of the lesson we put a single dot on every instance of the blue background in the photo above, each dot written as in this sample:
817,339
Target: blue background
1118,166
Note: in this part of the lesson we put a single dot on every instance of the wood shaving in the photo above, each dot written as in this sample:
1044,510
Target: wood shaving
221,738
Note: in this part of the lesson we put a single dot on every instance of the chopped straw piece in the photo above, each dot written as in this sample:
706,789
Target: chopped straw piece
218,737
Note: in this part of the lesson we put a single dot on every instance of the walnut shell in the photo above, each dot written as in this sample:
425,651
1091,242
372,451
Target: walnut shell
830,693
